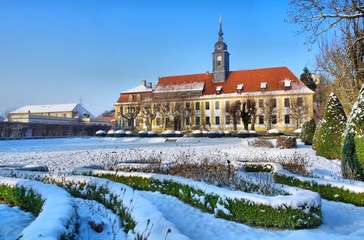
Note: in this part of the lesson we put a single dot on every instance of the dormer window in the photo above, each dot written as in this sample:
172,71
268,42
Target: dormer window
139,97
263,86
240,88
218,89
287,84
130,98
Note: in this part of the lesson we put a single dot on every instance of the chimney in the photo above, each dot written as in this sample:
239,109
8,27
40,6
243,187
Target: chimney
144,82
149,84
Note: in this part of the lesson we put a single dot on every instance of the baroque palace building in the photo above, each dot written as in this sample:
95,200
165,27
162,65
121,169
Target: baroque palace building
256,99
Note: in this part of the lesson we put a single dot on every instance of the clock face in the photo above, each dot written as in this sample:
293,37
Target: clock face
219,58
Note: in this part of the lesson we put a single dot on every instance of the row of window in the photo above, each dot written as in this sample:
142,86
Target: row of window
273,103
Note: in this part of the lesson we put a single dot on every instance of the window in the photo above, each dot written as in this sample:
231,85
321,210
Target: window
261,103
287,119
187,121
159,121
227,104
218,89
227,119
197,121
64,115
130,98
239,88
207,105
299,101
286,102
217,120
263,85
273,103
138,122
274,119
197,107
139,97
207,120
168,121
188,105
261,119
217,105
129,122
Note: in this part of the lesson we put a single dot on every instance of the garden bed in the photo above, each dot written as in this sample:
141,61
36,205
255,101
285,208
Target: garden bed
301,209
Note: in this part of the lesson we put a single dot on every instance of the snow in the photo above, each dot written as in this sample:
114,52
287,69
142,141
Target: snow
58,211
275,131
15,221
340,220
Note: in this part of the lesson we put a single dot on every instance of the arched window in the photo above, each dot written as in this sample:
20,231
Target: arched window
139,97
130,98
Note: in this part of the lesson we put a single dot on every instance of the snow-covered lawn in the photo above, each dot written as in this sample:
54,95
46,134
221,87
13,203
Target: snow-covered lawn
340,221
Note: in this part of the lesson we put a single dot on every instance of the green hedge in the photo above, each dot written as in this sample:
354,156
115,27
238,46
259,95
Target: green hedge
26,199
240,210
326,191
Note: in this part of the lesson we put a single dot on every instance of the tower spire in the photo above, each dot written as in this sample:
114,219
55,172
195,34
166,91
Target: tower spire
220,31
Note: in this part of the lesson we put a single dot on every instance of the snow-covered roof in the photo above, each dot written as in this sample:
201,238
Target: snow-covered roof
180,87
71,107
140,88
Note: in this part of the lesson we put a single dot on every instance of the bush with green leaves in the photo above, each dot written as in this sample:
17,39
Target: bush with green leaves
327,140
243,209
307,131
352,163
22,197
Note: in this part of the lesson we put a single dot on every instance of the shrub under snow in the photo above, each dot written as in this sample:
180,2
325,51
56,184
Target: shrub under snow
328,135
352,163
307,131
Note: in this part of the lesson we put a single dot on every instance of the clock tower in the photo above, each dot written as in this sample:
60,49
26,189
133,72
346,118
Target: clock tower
220,59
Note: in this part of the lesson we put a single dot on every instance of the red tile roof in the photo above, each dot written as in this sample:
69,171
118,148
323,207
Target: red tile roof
251,79
274,77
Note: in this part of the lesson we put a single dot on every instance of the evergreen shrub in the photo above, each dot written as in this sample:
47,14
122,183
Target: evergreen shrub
327,140
352,163
307,131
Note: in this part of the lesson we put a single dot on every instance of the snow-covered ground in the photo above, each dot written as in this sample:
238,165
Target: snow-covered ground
341,221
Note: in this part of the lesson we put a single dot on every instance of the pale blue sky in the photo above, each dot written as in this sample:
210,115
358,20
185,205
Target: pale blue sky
58,51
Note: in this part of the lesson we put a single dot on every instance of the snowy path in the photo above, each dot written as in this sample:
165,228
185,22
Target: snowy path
13,221
341,221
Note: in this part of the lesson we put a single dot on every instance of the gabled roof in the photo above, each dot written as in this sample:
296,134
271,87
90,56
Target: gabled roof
71,107
251,80
139,89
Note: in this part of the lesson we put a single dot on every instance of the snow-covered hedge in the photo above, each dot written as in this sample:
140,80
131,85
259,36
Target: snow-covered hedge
140,219
243,134
300,209
58,216
340,191
100,133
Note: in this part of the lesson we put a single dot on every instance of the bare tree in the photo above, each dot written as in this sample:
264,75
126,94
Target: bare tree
252,106
233,109
269,111
340,58
149,112
164,110
299,109
245,115
131,113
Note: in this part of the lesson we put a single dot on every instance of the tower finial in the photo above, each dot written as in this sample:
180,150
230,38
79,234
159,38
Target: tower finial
220,31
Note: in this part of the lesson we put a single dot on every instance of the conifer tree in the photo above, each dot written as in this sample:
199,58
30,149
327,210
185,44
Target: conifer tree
306,78
352,164
327,140
307,131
